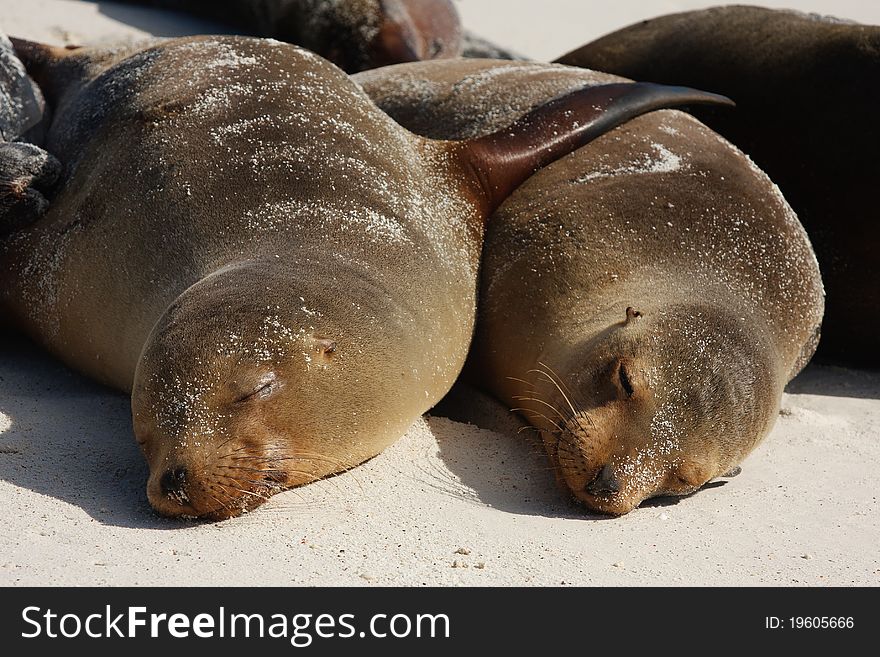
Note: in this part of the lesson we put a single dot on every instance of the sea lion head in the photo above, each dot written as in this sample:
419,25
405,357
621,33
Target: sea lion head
663,402
230,394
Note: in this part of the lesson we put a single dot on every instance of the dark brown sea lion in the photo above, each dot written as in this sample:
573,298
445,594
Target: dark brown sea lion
282,276
353,34
807,105
26,171
643,300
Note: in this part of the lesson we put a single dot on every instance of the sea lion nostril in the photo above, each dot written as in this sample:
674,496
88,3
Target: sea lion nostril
605,482
173,481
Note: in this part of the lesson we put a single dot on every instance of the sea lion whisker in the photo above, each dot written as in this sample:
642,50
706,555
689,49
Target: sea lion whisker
558,380
564,396
530,384
536,413
585,416
548,405
528,427
556,376
251,493
258,483
222,504
241,467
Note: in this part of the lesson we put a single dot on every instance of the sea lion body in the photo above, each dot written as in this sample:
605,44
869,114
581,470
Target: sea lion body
282,276
168,188
643,300
354,34
806,112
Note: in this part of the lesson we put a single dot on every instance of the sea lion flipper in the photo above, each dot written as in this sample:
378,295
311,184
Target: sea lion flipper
503,160
21,103
27,176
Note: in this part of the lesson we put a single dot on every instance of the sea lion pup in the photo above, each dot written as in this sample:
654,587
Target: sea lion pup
282,276
26,171
643,301
353,34
789,74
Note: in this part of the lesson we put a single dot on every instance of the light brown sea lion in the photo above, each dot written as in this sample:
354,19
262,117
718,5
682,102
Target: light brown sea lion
353,34
643,300
807,105
282,276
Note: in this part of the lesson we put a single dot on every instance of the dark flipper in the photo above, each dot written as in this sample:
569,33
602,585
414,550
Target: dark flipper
27,176
503,160
27,172
21,104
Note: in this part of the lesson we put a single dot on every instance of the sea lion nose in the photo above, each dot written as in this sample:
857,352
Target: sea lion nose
604,483
173,483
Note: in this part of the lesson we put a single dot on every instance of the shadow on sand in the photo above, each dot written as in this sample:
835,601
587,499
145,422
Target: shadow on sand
68,438
836,381
505,468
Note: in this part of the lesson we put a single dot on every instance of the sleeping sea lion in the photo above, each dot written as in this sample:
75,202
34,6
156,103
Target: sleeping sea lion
643,301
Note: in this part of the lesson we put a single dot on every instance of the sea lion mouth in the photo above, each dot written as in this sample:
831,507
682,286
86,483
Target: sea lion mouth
234,482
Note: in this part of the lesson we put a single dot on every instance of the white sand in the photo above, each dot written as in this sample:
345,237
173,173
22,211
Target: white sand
449,503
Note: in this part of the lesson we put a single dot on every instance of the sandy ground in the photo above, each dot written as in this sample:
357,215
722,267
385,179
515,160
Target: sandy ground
462,499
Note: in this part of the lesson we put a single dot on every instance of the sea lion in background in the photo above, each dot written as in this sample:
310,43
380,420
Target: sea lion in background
643,300
476,47
282,276
353,34
26,171
807,112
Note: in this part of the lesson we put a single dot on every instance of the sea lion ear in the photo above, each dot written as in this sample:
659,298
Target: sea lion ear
632,315
324,346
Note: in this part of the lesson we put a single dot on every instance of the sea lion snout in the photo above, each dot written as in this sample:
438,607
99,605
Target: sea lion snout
173,482
605,482
600,457
201,478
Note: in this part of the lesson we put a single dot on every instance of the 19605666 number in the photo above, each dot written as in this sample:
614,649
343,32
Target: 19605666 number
821,622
